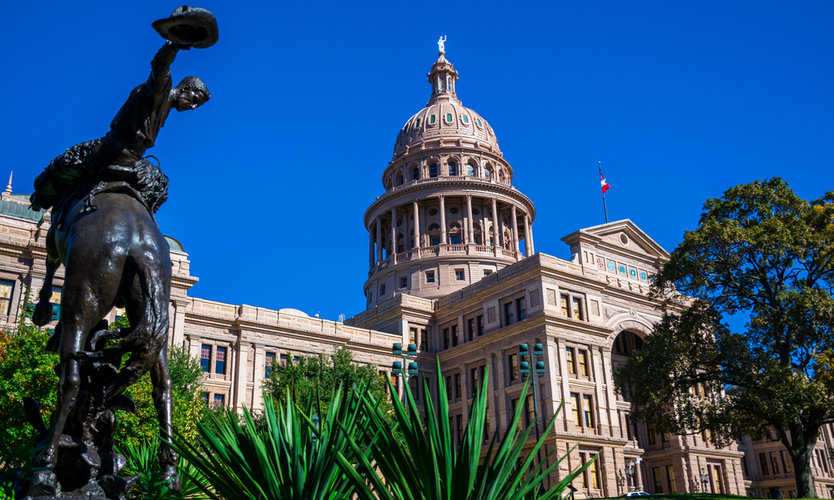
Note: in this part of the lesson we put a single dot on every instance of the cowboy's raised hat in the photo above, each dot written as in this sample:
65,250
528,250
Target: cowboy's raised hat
191,26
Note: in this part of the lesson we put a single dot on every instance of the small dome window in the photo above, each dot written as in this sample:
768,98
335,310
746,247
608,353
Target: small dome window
470,170
432,119
478,121
417,123
487,174
475,211
449,117
432,211
400,179
434,227
453,168
454,209
433,170
415,174
466,119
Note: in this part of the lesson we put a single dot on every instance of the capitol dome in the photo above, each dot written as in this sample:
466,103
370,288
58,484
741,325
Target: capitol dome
444,118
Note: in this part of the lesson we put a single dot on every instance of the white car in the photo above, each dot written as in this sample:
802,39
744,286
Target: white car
636,494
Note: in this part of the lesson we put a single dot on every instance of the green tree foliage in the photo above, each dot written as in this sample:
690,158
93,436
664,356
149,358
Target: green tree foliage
317,376
762,253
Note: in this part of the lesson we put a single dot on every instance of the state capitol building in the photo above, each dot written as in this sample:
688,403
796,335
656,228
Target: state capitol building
452,268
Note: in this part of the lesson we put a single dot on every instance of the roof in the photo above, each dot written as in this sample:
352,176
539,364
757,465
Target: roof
20,210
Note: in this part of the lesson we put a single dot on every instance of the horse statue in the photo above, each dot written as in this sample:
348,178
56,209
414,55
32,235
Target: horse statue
103,195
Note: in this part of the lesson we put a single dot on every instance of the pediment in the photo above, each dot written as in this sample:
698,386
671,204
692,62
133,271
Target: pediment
621,237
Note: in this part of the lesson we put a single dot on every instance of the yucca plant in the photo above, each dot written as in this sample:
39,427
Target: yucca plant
289,457
143,460
430,467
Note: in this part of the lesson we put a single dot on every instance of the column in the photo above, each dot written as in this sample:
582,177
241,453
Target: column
394,235
240,376
416,225
371,260
469,227
565,387
378,241
528,248
514,218
530,236
179,322
495,227
638,476
442,219
257,393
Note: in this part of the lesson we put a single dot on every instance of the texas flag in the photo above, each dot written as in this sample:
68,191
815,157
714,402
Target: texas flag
603,183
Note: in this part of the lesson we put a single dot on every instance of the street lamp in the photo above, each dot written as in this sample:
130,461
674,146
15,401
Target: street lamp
538,351
410,366
704,479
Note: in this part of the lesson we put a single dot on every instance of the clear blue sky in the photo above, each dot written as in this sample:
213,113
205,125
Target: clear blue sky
270,179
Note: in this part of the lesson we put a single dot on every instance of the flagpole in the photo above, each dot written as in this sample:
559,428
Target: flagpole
604,207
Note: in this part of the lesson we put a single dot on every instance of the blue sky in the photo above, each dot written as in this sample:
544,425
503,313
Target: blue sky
271,178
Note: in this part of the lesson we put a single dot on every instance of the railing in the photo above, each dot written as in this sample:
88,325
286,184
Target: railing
483,249
456,248
435,250
404,256
508,253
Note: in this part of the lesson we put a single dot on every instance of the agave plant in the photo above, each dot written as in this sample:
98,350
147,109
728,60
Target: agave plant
142,460
430,467
288,457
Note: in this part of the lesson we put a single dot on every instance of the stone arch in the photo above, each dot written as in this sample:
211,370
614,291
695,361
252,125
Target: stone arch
626,320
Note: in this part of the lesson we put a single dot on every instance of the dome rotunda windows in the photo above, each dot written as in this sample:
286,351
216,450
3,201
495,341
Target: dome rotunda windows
417,123
453,168
454,209
487,174
433,170
448,117
478,121
470,169
432,119
432,212
465,120
415,174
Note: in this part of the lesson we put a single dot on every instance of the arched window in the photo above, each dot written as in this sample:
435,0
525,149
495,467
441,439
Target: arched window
477,230
400,179
454,233
503,177
453,168
487,174
434,234
433,170
415,174
400,243
508,240
626,343
470,169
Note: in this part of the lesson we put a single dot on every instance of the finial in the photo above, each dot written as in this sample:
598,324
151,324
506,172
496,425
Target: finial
9,187
441,44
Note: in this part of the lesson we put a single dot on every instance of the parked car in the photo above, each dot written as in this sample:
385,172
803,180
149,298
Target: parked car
636,494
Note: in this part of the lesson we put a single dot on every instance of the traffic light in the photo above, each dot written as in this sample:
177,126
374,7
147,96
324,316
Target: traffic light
540,367
538,350
412,367
523,350
397,350
397,367
525,367
412,349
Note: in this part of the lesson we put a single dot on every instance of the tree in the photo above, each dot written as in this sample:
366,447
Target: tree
763,254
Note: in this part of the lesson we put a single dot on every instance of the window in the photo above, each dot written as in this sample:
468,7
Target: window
205,357
571,360
786,464
470,329
480,322
5,297
457,385
459,276
509,316
429,276
577,308
670,478
382,289
55,300
424,341
449,117
487,272
487,174
414,387
454,335
574,400
220,361
412,336
522,309
716,475
219,400
470,170
594,473
404,282
513,408
466,119
432,119
270,357
478,121
433,170
512,362
473,381
454,239
459,429
583,363
583,457
565,312
775,463
415,174
449,387
664,438
435,240
763,463
453,168
589,415
446,340
652,435
658,483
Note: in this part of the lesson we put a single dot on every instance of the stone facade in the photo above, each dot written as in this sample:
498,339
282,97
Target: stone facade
453,270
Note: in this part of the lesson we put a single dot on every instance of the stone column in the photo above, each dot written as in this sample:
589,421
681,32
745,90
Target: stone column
470,229
378,241
497,243
528,248
416,225
240,376
638,476
394,235
442,219
514,217
257,393
530,235
179,322
563,372
611,403
371,260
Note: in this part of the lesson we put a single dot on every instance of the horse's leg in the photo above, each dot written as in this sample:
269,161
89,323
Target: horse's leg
163,400
43,310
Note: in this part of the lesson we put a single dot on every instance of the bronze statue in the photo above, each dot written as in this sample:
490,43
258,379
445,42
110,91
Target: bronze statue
104,194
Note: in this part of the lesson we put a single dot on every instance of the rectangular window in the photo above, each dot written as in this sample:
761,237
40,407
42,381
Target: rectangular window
482,374
775,462
583,363
521,307
716,475
513,365
404,282
577,308
763,463
670,478
629,431
459,276
454,335
220,361
382,289
457,385
473,381
205,357
470,329
594,473
786,464
480,322
446,340
574,400
424,341
449,387
415,388
219,400
565,311
664,438
658,483
571,361
455,239
270,357
5,297
589,415
412,336
429,276
584,459
509,316
652,435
